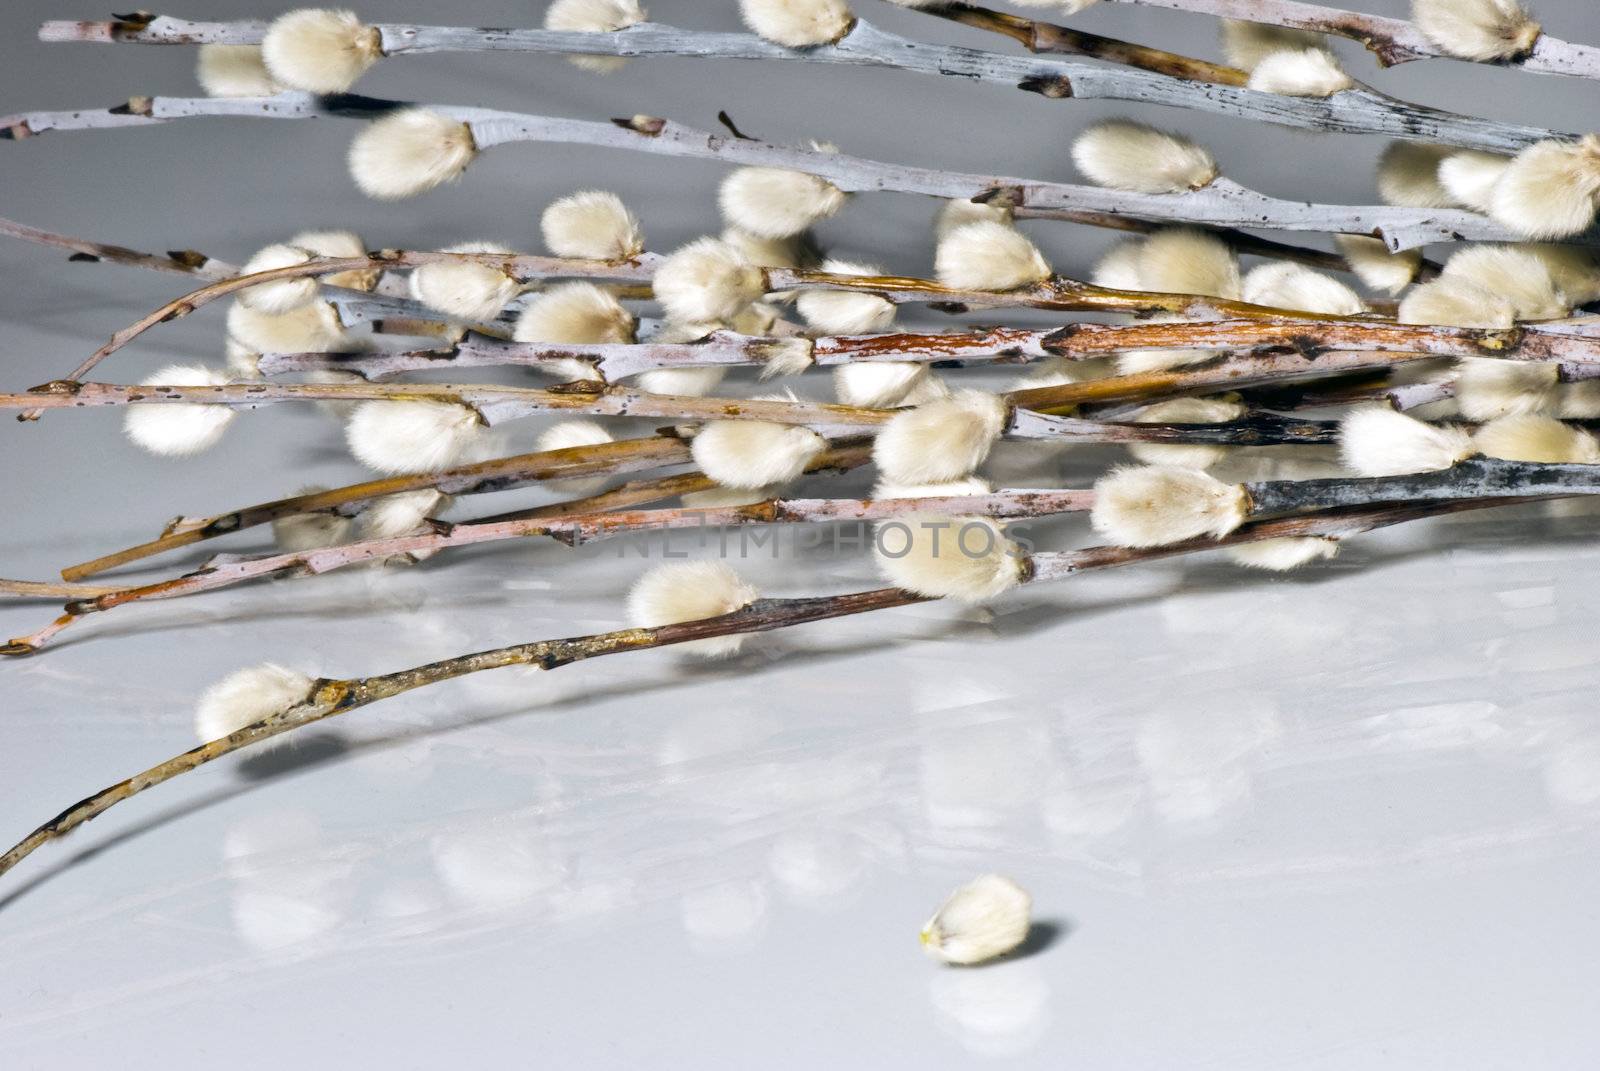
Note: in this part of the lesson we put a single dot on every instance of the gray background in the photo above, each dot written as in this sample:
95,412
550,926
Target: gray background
1346,819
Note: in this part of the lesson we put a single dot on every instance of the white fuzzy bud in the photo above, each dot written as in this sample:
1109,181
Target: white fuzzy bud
981,920
577,312
883,384
1408,175
234,71
402,514
310,531
178,429
594,16
1468,177
592,225
968,559
1118,267
1528,437
1185,411
1282,555
247,696
1476,29
690,591
465,290
1573,269
793,252
967,485
282,295
707,280
1377,441
1488,387
411,436
1156,505
1518,275
959,211
1456,302
989,256
1125,155
339,244
566,435
1283,285
726,497
1372,263
313,328
772,202
798,23
683,382
1183,260
1248,43
944,439
846,312
410,152
1549,189
320,50
1308,72
748,454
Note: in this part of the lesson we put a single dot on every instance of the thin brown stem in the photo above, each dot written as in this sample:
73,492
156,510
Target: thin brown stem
1042,37
500,474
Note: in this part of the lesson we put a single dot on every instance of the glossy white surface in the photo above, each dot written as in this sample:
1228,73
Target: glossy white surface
1343,820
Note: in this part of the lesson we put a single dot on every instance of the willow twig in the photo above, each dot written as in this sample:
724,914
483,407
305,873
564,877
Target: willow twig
570,527
332,697
1474,478
1354,111
495,404
43,589
1241,242
1224,203
500,474
1392,41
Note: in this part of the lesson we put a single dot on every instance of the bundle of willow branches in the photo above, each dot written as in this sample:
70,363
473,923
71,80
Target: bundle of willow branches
1415,388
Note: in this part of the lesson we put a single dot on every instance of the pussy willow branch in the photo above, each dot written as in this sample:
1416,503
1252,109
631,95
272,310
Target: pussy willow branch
572,528
522,268
1474,478
1575,342
1240,242
1224,203
495,404
1393,41
41,589
332,697
1354,111
500,474
1044,37
1057,293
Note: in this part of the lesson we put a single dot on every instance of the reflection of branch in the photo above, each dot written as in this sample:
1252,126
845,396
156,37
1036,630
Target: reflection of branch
1224,203
1354,111
329,698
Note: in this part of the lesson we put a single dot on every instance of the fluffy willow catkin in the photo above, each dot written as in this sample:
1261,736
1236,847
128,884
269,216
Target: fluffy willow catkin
982,920
247,696
689,591
798,23
410,152
319,50
594,16
179,429
1126,155
591,225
